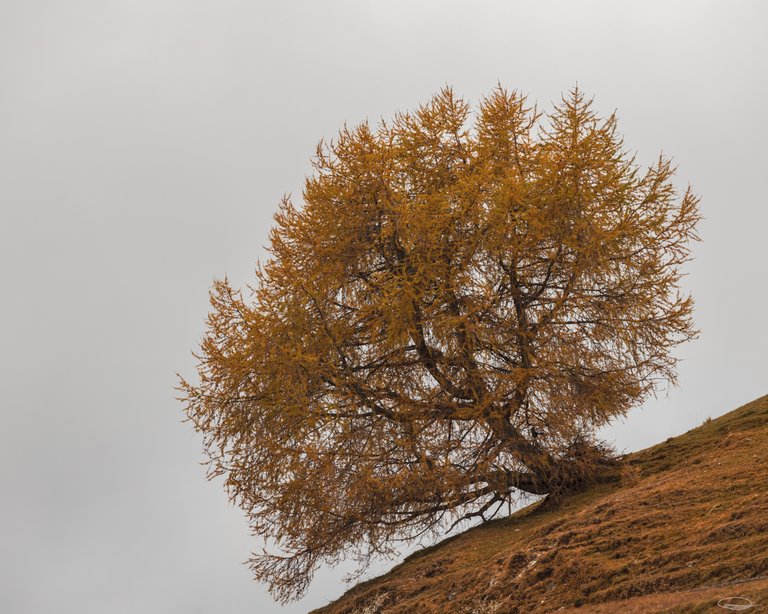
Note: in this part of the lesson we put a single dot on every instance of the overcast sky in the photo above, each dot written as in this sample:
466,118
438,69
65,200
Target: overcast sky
144,146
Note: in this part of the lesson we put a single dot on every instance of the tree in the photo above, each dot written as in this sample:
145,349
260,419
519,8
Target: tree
440,327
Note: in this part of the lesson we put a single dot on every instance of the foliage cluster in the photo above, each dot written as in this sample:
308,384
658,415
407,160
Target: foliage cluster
460,300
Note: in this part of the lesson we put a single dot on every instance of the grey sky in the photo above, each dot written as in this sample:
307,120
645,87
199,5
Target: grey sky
144,146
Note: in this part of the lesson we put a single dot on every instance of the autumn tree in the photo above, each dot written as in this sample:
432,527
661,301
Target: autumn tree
459,301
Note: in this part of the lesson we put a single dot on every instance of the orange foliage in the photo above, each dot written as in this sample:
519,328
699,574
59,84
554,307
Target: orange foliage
441,325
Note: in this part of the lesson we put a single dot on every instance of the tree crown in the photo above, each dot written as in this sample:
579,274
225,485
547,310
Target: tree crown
457,304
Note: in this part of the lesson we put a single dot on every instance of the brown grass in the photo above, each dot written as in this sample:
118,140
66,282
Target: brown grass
691,512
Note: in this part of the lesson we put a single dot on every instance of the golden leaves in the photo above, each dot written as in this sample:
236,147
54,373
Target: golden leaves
457,301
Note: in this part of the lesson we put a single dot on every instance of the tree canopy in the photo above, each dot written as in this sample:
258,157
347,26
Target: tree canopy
459,301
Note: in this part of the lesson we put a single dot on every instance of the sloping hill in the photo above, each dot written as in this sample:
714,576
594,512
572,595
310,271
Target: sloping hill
687,525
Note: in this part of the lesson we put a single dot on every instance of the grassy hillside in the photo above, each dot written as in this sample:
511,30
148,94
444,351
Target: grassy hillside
687,525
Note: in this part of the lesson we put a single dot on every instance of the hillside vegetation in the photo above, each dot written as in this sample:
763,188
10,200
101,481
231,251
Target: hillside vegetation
687,525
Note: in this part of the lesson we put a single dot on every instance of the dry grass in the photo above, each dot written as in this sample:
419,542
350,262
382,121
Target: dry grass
691,512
